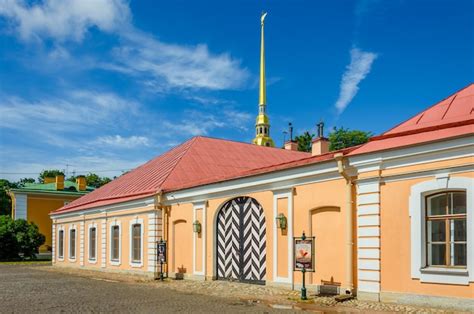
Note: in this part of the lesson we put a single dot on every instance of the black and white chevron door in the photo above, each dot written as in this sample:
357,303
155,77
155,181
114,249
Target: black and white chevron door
241,241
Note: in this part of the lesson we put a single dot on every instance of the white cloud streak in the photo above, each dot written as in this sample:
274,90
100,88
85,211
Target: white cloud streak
356,71
160,66
122,142
64,20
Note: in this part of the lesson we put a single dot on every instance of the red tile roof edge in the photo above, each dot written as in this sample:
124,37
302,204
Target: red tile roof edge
426,109
278,167
422,130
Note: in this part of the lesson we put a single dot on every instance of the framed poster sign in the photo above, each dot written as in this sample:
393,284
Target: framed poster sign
304,254
162,251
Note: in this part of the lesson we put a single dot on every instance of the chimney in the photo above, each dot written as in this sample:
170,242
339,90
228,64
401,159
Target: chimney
291,145
47,180
81,183
320,144
60,182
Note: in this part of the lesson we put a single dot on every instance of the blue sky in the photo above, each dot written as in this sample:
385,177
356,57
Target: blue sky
104,86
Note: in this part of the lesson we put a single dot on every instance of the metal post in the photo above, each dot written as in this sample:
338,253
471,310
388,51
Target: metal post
303,272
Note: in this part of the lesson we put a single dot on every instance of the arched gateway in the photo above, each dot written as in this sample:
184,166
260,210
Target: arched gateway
241,241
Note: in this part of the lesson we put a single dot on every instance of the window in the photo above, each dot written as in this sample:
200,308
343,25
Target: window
136,243
446,229
441,214
115,243
92,243
61,244
72,244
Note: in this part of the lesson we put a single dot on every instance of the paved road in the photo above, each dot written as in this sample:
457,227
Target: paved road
26,289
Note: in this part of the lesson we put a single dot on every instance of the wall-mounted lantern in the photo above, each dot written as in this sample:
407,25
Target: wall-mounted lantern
197,226
281,221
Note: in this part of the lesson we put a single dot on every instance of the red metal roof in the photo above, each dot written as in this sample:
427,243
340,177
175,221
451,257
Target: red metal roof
200,159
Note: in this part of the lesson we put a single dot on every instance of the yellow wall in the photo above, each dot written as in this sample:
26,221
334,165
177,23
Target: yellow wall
38,209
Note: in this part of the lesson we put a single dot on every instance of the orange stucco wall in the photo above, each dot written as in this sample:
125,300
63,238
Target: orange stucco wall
396,242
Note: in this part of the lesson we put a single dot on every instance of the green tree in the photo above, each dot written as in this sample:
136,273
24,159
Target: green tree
5,199
19,239
304,141
48,173
96,181
23,181
340,138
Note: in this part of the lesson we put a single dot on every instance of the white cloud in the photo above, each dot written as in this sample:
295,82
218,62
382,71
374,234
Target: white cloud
356,71
122,142
75,113
64,20
164,65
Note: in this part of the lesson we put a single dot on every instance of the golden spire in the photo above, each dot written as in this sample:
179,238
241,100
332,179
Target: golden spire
262,100
262,125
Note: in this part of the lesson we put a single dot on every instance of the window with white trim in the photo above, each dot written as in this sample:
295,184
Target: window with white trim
72,243
115,249
136,243
442,230
446,236
92,243
61,244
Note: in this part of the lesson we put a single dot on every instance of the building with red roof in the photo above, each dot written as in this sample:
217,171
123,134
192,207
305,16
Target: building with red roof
393,219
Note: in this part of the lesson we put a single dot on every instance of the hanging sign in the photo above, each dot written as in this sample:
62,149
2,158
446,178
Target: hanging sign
304,253
162,252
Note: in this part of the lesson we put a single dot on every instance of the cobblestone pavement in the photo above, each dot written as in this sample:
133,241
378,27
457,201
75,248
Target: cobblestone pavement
46,288
27,289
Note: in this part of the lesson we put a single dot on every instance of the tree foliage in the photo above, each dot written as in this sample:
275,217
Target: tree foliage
19,239
93,179
5,200
304,141
340,138
49,173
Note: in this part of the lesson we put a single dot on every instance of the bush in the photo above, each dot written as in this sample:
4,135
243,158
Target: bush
19,239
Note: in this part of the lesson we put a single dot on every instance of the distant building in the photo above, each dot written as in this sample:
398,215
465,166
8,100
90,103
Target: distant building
35,201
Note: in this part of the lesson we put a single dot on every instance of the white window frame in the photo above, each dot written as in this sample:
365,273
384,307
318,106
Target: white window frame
119,261
92,260
417,207
136,221
61,228
70,258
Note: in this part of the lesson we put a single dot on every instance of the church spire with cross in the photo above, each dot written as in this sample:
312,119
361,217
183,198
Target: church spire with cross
262,125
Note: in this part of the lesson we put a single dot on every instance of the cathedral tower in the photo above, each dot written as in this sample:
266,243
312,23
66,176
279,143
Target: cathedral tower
262,125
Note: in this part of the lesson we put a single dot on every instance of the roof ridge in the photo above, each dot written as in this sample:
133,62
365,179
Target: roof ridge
192,141
246,143
426,109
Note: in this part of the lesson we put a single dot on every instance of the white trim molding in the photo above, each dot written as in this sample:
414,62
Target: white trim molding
442,182
136,221
112,261
89,259
71,228
200,206
286,193
21,201
61,228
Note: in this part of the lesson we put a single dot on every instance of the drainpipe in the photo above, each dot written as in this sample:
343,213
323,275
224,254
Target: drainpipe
349,226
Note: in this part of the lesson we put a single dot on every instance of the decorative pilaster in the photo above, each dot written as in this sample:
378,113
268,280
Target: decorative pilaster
103,240
81,245
53,243
154,235
368,239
